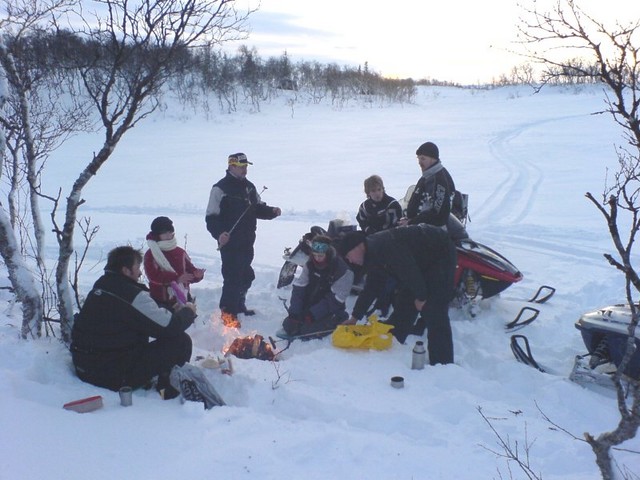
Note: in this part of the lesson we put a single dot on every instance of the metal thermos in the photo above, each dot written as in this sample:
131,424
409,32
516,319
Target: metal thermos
419,356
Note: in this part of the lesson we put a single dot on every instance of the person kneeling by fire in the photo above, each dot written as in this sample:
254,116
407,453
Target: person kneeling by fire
318,298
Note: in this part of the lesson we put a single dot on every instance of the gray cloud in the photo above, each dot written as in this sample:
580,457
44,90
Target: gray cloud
270,23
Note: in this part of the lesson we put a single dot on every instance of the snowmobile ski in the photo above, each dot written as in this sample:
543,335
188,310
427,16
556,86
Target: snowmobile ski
282,335
524,355
517,323
584,374
544,293
285,337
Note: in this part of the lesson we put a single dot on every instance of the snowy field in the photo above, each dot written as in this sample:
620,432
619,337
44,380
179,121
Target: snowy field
526,162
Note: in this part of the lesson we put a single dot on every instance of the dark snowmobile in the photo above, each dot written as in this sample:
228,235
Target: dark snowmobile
481,272
605,333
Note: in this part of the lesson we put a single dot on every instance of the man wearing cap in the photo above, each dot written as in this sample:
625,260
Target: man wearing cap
232,213
422,258
431,200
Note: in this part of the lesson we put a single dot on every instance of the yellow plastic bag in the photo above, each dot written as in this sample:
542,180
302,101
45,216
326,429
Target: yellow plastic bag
374,336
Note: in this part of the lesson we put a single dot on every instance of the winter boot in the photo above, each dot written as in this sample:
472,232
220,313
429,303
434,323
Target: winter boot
194,386
243,306
164,388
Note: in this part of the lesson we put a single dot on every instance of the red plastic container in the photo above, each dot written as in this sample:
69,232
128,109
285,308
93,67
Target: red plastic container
84,405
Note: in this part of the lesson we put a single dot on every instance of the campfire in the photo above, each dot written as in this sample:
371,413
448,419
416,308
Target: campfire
229,321
251,347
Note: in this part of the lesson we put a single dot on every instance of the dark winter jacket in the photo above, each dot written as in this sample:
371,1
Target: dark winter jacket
377,216
321,292
430,202
409,254
117,317
228,201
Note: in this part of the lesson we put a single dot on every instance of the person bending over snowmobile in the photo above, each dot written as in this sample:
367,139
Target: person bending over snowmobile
422,258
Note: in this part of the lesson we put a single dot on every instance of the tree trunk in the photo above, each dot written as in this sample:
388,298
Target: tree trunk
19,275
21,280
65,239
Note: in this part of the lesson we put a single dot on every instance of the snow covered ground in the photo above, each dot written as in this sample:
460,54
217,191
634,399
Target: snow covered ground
525,160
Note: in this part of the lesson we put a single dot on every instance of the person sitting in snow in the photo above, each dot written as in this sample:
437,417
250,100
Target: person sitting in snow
378,212
319,293
165,262
110,344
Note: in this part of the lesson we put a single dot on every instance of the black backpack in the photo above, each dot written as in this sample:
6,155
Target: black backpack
460,206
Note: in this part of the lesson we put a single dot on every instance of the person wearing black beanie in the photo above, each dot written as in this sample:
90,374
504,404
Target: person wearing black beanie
422,259
429,149
431,199
167,266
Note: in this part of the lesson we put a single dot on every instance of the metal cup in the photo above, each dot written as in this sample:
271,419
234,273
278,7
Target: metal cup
397,382
126,396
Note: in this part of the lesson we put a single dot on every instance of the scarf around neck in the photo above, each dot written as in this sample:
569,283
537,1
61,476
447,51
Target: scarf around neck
157,247
432,170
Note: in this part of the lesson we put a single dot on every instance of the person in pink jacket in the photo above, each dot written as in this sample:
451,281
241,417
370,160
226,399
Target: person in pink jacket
165,263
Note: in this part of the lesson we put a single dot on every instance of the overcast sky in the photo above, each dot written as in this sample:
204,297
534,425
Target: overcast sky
465,41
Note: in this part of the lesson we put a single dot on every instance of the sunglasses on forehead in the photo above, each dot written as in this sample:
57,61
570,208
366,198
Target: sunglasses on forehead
319,247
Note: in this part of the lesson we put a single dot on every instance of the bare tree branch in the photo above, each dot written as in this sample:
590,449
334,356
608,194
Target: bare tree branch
570,43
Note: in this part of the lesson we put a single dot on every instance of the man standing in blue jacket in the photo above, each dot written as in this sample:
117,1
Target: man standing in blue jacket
232,213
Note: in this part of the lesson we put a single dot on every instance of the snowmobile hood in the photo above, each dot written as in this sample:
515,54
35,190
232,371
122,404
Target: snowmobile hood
614,319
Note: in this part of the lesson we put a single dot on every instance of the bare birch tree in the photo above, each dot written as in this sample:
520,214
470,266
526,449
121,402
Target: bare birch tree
36,121
19,274
137,43
609,54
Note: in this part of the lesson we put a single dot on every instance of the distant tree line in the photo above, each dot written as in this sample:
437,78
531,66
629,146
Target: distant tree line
208,75
572,72
204,75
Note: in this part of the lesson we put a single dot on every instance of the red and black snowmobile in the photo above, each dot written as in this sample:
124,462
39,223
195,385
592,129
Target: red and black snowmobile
481,272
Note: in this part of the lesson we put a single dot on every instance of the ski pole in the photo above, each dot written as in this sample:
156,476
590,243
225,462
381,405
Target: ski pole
242,215
273,341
